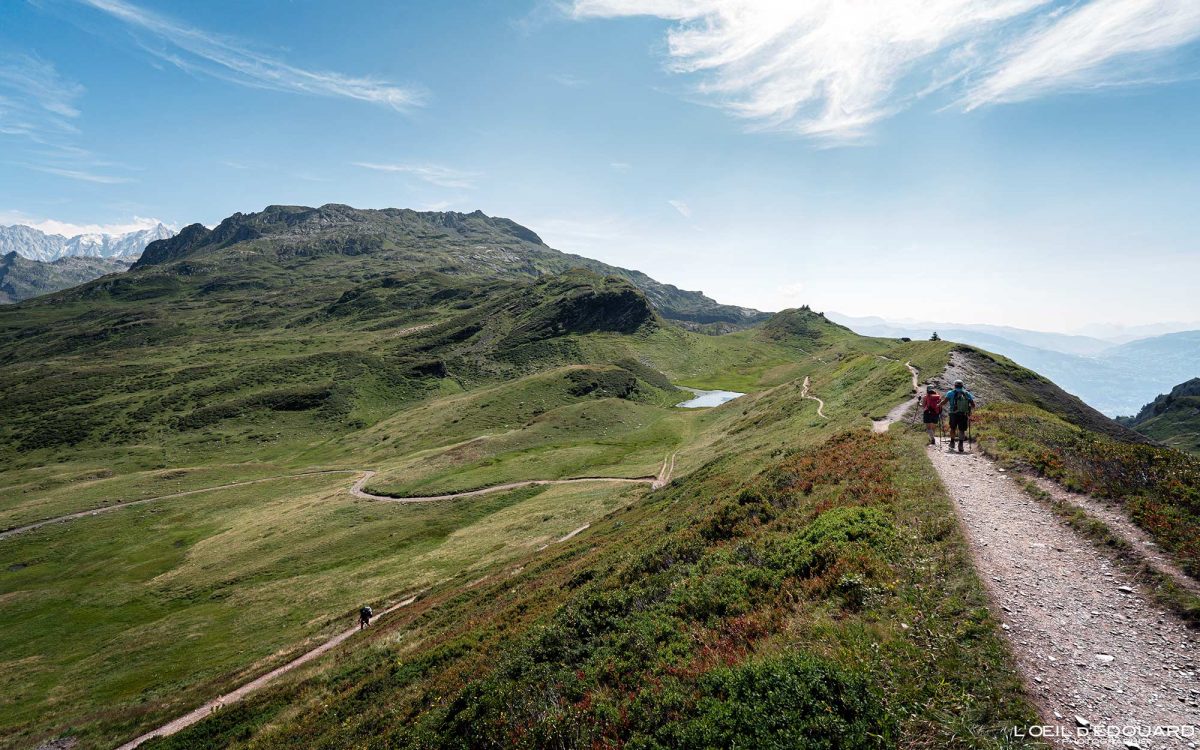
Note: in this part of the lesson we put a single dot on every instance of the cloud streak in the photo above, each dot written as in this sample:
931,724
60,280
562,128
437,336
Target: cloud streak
684,209
1102,43
832,69
195,50
35,101
39,113
431,173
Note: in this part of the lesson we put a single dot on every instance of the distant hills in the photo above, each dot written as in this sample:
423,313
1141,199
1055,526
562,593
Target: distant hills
35,244
21,278
446,242
1116,378
1172,418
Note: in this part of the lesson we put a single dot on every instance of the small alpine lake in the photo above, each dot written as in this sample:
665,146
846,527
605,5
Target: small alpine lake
703,399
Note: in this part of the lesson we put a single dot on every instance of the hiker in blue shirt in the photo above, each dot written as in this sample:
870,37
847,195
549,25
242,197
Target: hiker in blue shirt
959,402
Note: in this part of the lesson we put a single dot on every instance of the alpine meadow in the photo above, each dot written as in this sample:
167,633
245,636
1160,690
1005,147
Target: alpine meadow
356,394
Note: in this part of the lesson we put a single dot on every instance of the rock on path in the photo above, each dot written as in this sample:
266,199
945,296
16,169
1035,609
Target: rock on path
1087,641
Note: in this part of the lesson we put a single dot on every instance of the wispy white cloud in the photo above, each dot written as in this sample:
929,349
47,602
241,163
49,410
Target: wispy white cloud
82,175
40,113
621,166
35,101
431,173
683,208
1102,43
831,69
568,80
196,50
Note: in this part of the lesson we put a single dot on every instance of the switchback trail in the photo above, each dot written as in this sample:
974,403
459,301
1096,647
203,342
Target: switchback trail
1092,647
820,404
659,480
190,718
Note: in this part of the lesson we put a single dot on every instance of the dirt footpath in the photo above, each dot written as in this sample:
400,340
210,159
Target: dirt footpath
1096,654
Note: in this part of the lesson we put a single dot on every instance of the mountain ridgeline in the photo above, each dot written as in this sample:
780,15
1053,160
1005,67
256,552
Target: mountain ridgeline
22,278
445,242
206,462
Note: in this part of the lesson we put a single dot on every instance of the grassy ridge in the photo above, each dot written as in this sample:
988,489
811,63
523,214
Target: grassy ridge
830,597
781,566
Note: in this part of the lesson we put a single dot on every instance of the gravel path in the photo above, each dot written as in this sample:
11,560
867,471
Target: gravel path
900,410
656,481
820,404
1091,646
1120,524
188,719
143,501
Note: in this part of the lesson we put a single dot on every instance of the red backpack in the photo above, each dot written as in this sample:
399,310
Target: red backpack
933,403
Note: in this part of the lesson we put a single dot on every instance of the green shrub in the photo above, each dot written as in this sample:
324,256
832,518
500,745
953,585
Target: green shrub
787,702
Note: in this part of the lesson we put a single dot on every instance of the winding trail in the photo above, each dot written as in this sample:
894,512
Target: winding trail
143,501
655,482
898,411
190,718
820,404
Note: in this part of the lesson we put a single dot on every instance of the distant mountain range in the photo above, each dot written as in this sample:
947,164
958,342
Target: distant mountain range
1115,378
21,278
35,244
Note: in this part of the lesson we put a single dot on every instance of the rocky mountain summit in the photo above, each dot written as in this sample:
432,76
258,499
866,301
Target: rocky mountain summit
35,244
446,242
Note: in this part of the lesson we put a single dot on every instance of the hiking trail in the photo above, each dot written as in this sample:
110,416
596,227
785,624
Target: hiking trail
898,411
655,482
1092,648
130,503
190,718
820,404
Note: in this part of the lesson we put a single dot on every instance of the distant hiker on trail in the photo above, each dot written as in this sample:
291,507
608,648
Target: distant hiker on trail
931,402
960,402
364,617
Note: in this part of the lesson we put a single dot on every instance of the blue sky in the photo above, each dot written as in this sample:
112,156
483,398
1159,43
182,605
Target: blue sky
1021,162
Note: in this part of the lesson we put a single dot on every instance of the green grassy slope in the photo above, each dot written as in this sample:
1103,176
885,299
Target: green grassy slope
797,562
1172,419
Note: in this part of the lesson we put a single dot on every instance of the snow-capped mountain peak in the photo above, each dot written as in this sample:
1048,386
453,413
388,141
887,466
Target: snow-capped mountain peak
37,245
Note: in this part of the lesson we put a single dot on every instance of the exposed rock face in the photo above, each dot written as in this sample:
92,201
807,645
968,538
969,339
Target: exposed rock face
447,242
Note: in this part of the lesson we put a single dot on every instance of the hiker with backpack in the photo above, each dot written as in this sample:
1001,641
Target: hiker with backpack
364,617
959,402
931,402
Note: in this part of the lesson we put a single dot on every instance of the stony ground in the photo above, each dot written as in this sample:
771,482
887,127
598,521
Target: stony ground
1096,653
